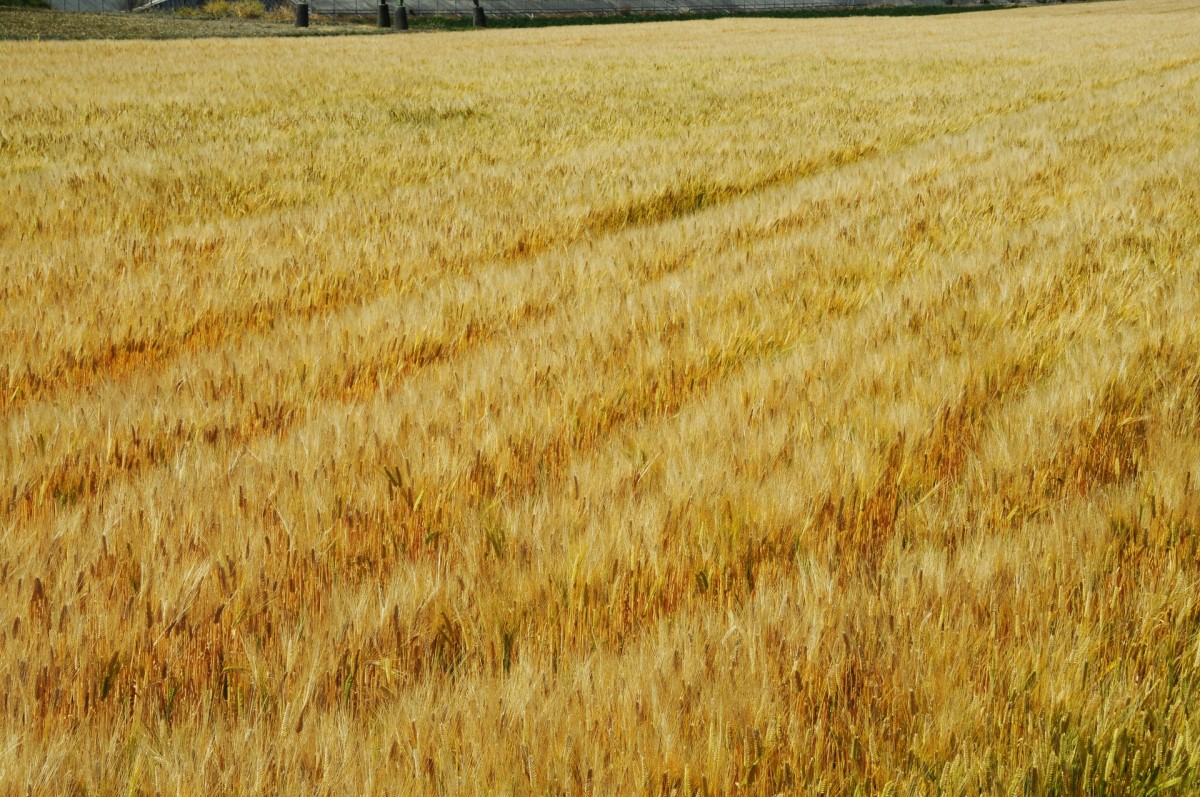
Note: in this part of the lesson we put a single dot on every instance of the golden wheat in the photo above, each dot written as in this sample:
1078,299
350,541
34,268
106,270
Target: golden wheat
742,406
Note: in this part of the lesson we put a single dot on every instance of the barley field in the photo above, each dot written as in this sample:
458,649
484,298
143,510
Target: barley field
713,407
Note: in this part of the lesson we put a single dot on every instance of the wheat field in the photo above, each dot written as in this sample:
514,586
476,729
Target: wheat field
712,407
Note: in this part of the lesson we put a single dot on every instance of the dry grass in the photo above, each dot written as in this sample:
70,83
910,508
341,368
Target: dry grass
743,406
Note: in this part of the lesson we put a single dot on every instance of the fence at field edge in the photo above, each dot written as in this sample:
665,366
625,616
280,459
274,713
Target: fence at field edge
502,8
